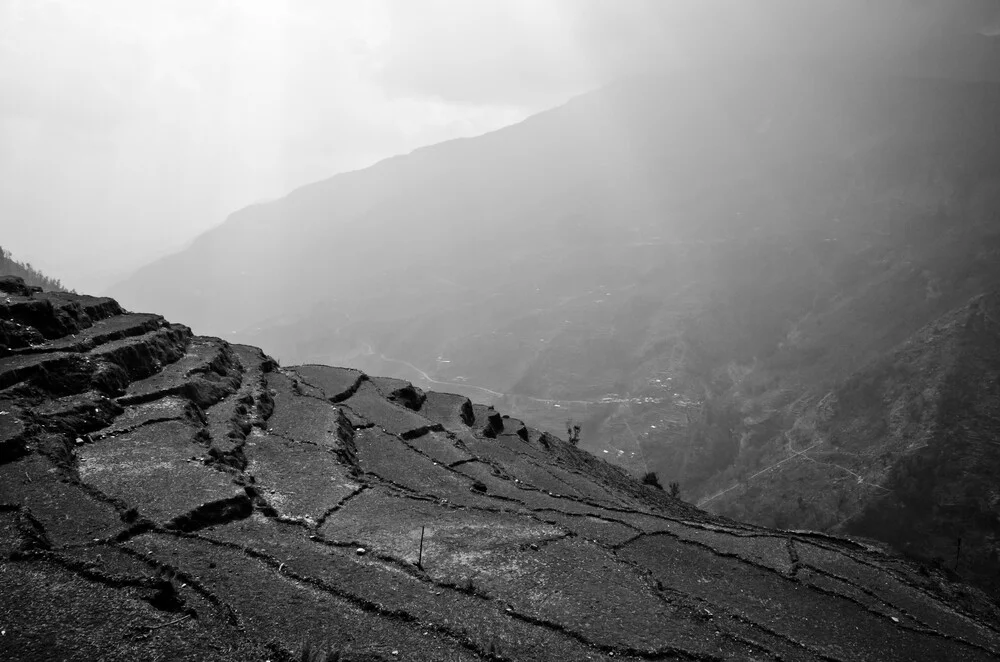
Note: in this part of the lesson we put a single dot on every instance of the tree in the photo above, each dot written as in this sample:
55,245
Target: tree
675,489
651,479
573,432
11,267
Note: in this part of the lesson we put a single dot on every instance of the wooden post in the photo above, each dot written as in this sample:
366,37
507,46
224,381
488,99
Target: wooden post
420,554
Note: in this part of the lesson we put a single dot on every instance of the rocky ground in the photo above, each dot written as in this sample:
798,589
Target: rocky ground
168,496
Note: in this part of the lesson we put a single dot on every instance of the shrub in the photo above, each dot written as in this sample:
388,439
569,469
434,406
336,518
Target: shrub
651,479
573,432
167,595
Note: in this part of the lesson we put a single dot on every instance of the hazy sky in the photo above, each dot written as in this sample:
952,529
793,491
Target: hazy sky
129,126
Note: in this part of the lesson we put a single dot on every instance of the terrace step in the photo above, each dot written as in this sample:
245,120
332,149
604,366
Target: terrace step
103,331
207,372
56,314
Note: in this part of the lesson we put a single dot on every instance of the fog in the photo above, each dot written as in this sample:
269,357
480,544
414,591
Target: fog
126,129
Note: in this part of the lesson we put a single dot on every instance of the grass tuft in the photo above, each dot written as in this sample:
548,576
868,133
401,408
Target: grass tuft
311,651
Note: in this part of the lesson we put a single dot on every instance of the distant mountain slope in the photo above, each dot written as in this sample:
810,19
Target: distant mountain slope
906,450
11,267
677,158
683,265
171,496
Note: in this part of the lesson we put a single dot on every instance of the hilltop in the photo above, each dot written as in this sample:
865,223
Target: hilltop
167,495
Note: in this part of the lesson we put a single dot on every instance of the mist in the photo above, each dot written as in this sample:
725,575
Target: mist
127,129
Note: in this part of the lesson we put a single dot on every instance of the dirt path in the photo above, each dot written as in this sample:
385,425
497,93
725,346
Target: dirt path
426,377
794,455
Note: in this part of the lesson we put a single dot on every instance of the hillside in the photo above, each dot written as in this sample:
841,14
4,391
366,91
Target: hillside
11,267
690,187
171,496
904,450
639,164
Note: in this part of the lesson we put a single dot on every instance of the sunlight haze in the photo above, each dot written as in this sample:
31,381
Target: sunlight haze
127,128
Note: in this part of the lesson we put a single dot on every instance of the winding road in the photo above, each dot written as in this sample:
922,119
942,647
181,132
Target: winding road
423,375
428,378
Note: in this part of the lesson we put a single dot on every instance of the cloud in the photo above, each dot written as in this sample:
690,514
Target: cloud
989,26
486,52
127,127
524,51
56,66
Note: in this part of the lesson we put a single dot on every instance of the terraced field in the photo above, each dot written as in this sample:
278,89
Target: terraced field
166,496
